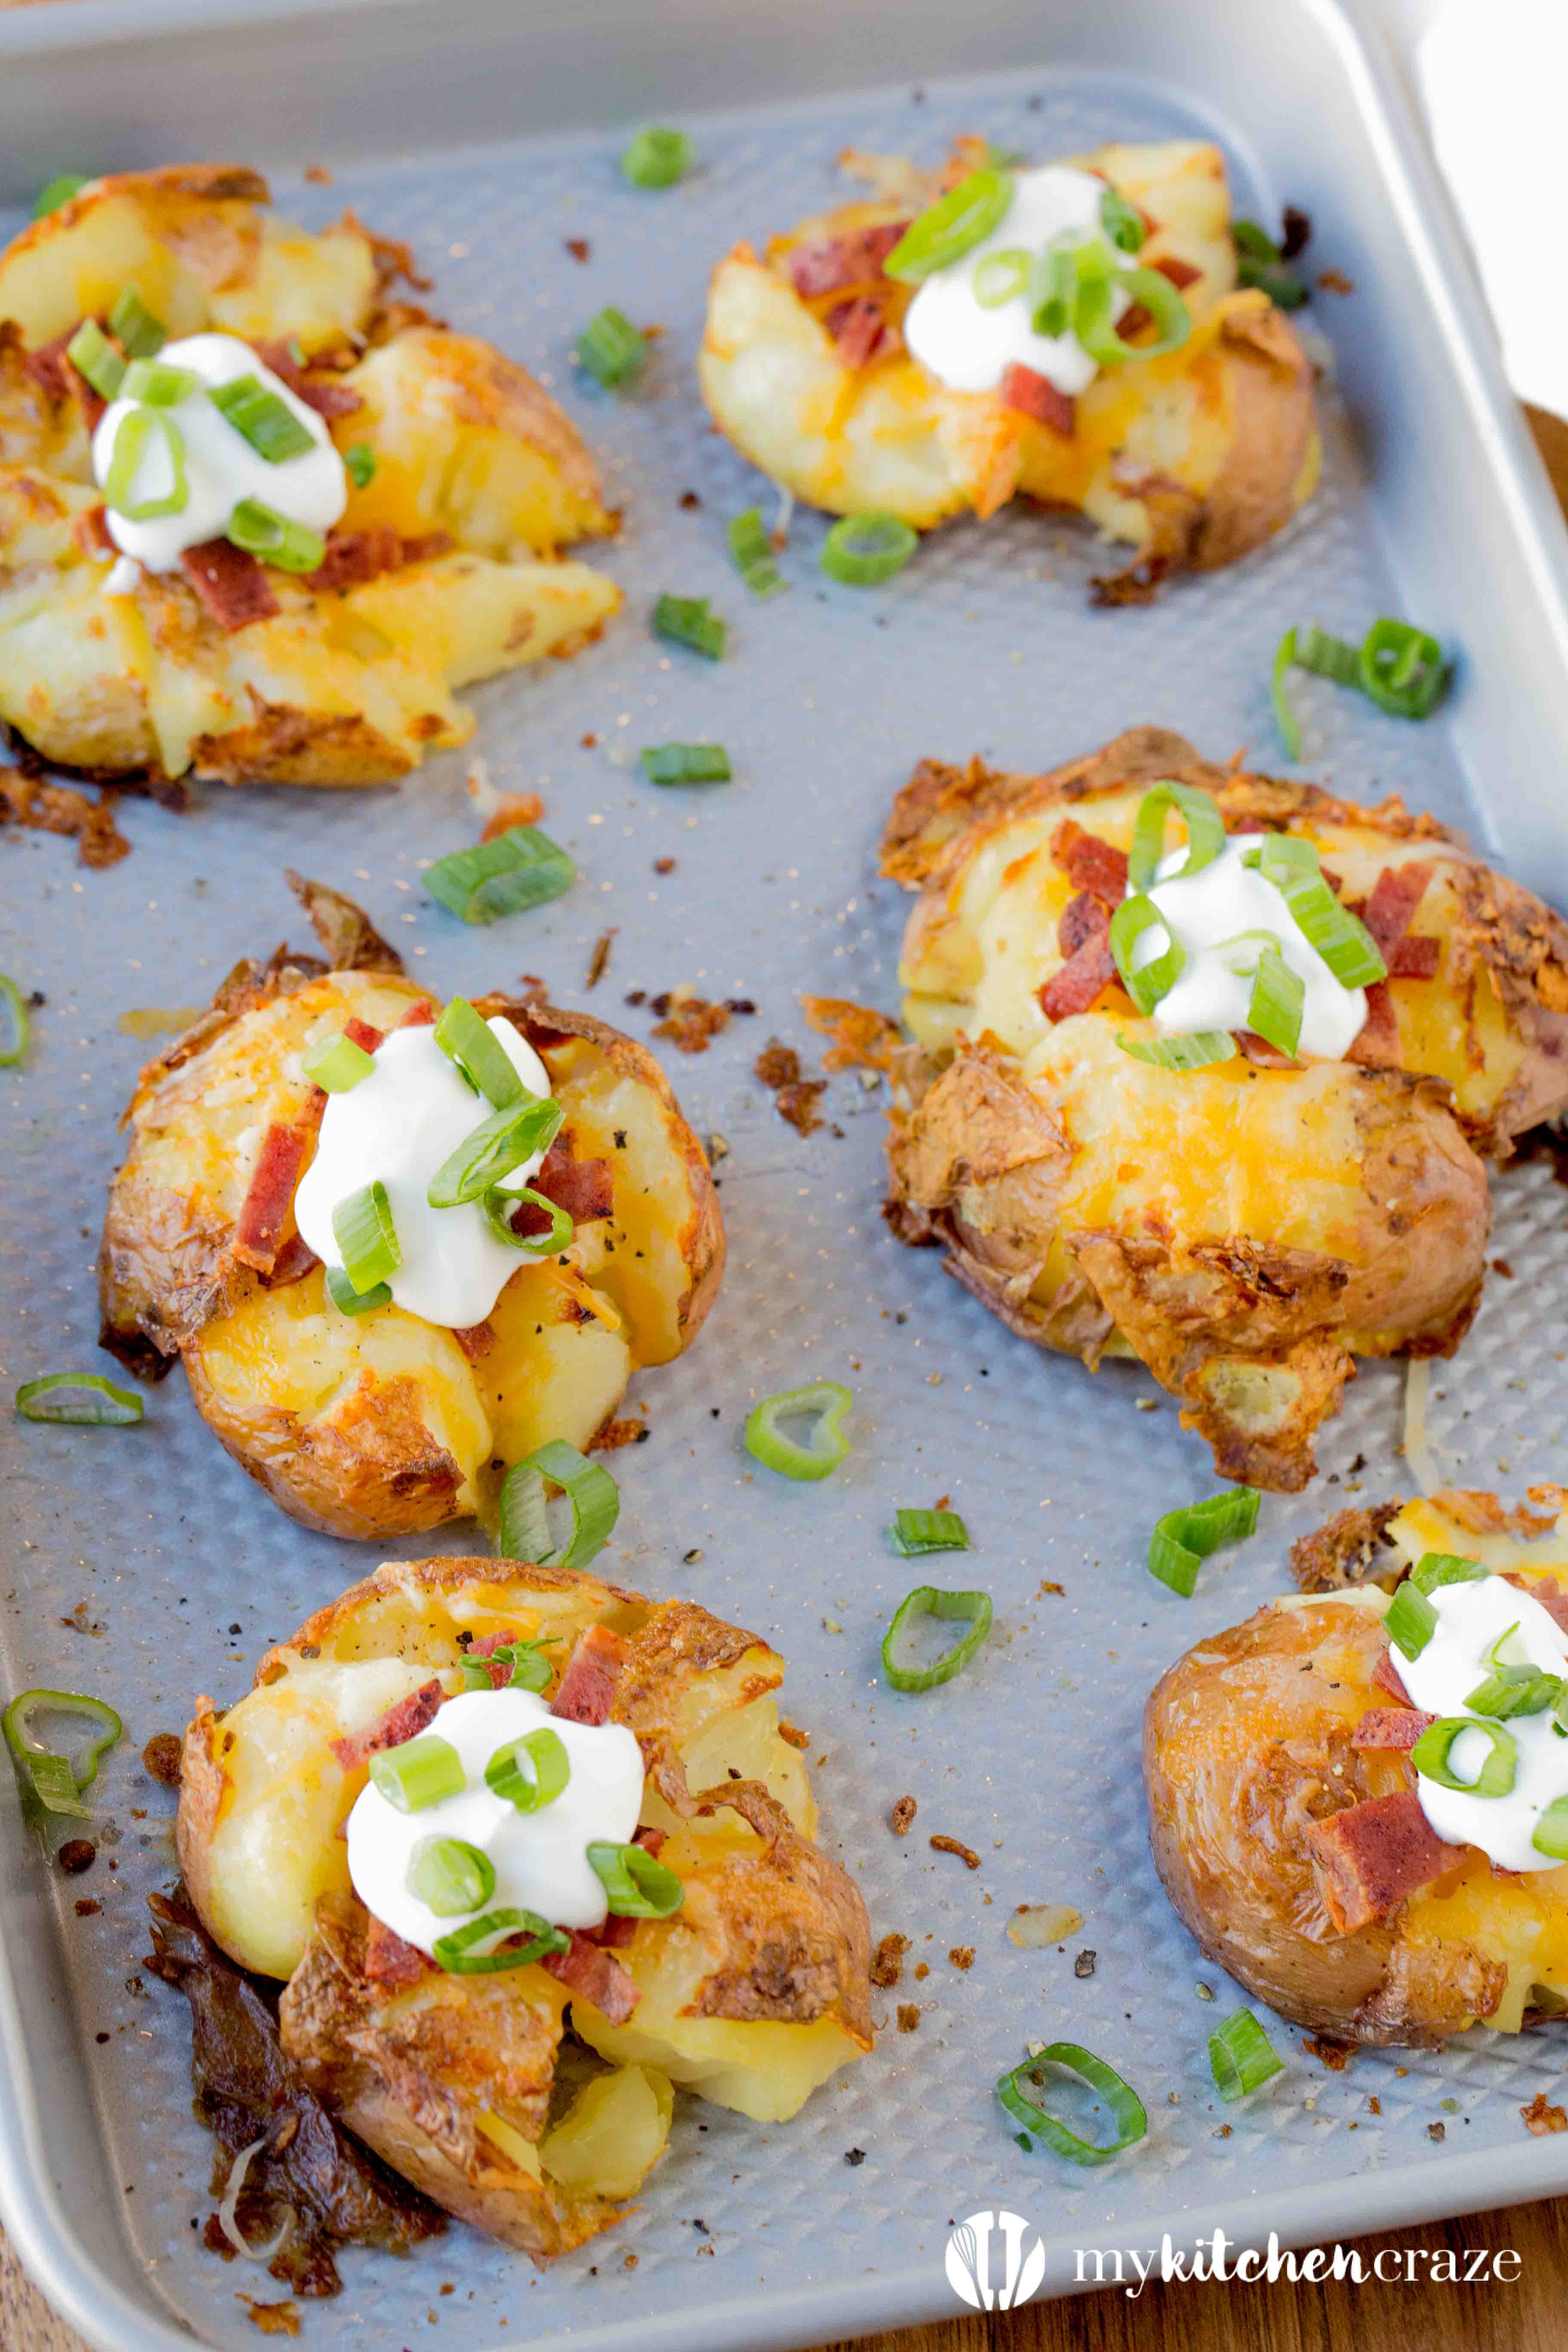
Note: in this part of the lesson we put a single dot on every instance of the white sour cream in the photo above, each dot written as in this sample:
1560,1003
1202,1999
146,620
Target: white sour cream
221,466
1471,1619
397,1127
1222,900
970,348
540,1860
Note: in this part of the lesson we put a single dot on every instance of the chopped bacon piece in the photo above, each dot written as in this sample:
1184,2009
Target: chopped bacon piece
294,1261
483,1652
421,1015
1415,957
1392,1727
1265,1057
1091,863
583,1188
1376,1043
388,1960
593,1974
1086,971
617,1932
327,398
651,1841
232,585
354,557
1180,273
476,1339
838,261
1033,394
363,1034
93,535
395,1726
1548,1591
1083,918
1396,895
587,1690
1386,1676
59,378
259,1228
860,331
1373,1854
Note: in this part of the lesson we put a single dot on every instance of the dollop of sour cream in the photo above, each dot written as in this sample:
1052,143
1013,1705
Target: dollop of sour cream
1471,1618
540,1860
969,347
1202,912
398,1126
221,466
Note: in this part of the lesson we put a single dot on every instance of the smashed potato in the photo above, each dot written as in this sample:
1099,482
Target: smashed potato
752,1994
447,565
1247,1231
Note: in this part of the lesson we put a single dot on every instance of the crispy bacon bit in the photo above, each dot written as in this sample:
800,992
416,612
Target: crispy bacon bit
1349,1549
1373,1854
1416,957
1548,1591
354,557
388,1960
328,399
1029,393
1180,273
484,1650
232,585
583,1188
1386,1677
587,1689
393,1728
860,331
363,1034
1091,863
1377,1042
617,1932
863,1039
59,379
1392,1727
1087,971
421,1015
259,1229
1541,2117
293,1262
515,809
476,1339
691,1022
838,261
25,799
1396,895
1335,2055
593,1974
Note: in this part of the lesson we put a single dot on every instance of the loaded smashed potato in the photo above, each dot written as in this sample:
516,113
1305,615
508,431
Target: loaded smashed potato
888,356
1246,1220
1316,1814
597,1843
358,1413
261,518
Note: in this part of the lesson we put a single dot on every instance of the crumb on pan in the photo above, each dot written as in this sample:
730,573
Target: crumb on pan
966,1854
1539,2118
861,1038
904,1813
908,2016
1335,2055
888,1961
1346,1550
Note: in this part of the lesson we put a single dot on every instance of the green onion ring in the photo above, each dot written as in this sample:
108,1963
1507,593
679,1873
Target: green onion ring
1345,944
1001,277
1497,1776
1411,1621
1126,2106
1094,322
686,763
103,1406
349,1301
499,1206
520,868
52,1777
592,1497
494,1148
1551,1831
450,1876
1122,222
131,434
915,1533
751,552
862,551
1147,982
467,1039
1205,833
1512,1691
1242,2057
263,420
1183,1538
157,383
135,328
273,538
946,230
829,1400
1278,996
528,1773
92,355
1325,656
1435,1568
456,1954
1402,669
16,1005
930,1601
418,1773
336,1064
639,1886
611,349
686,621
366,1237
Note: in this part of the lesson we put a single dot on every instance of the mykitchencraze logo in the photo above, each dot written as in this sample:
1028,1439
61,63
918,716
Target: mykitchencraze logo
1219,2257
990,2266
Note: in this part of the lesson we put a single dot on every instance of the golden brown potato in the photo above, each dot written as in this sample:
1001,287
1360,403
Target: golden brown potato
1248,1743
1246,1231
383,1425
1195,457
453,549
753,1993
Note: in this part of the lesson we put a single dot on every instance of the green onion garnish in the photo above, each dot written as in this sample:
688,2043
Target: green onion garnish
611,349
50,1776
1281,285
85,1399
1205,833
57,191
158,384
686,621
456,1953
1430,1755
493,1148
275,538
827,1401
336,1064
1278,997
1125,2105
1284,717
864,550
530,1666
421,1773
520,868
1148,982
686,763
913,1533
523,1530
752,551
1183,1540
134,432
349,1301
930,1601
366,1238
1325,655
468,1040
1093,320
1345,944
1242,2057
1122,222
499,1207
639,1886
359,458
1435,1568
1515,1690
139,334
1194,1049
15,1005
1253,240
1400,668
1411,1621
528,1773
92,355
262,419
1001,277
1053,286
947,229
1551,1831
449,1876
657,159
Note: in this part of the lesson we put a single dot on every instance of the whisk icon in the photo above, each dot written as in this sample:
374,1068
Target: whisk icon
968,2261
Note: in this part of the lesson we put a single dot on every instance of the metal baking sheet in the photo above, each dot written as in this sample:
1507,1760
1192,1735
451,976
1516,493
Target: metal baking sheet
143,1566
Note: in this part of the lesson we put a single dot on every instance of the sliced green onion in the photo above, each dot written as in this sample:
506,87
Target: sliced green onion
611,349
1411,1621
1278,998
158,384
1122,222
1281,285
1516,1690
1435,1568
139,334
1053,285
135,430
1094,316
520,868
493,1148
1194,1049
1146,982
930,1601
827,1401
1430,1755
366,1238
450,1876
337,1065
456,1953
85,1399
1126,2107
529,1667
915,1533
275,538
499,1207
59,191
349,1301
639,1886
864,550
261,419
528,1773
657,159
1205,833
1001,277
53,1785
53,1778
16,1005
1183,1540
1402,669
752,553
686,621
686,763
422,1773
1325,655
1254,241
1345,944
467,1039
359,461
593,1498
92,355
1551,1831
1284,718
1241,2057
947,229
